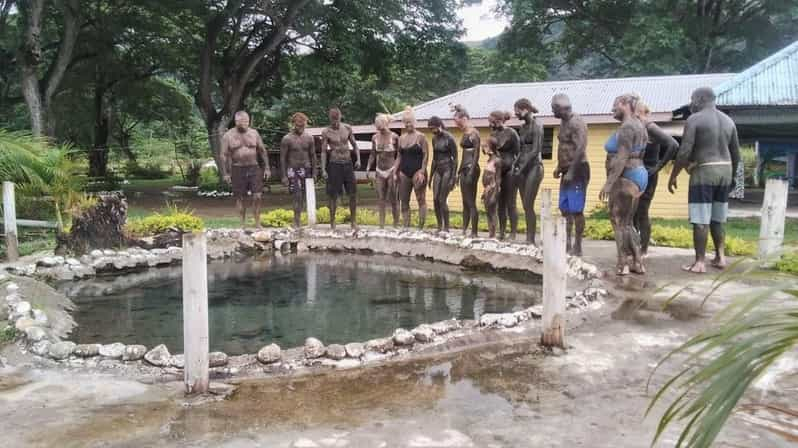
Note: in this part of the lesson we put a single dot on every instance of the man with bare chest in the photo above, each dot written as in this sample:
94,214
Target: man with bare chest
572,169
337,144
245,164
297,162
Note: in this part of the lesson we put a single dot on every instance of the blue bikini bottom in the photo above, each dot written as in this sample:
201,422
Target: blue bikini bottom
638,175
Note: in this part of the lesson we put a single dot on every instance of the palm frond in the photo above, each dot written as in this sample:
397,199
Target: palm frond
720,363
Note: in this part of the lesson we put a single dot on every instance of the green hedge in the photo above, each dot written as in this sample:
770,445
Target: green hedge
160,222
789,262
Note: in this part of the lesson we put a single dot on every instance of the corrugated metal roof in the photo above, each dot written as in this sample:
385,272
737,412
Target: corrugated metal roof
588,97
772,82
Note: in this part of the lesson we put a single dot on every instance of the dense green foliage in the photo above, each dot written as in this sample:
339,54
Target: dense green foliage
171,218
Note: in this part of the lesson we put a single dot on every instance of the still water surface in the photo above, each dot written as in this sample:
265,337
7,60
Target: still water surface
337,298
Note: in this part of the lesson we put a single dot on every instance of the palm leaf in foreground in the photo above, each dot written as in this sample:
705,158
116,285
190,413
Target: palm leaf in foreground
722,362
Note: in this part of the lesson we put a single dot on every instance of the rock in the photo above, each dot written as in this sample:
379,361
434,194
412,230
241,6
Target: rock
508,320
21,309
336,351
472,262
134,352
247,246
489,319
445,326
178,361
113,351
221,389
35,334
87,350
47,262
41,348
61,350
282,246
354,349
270,354
159,356
23,323
40,317
313,348
3,312
72,262
403,337
380,345
424,333
217,359
96,253
12,288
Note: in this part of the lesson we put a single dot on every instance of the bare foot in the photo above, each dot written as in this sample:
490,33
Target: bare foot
696,268
638,268
719,263
622,270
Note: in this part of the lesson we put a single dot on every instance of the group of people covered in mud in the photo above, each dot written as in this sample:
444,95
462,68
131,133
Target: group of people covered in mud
635,154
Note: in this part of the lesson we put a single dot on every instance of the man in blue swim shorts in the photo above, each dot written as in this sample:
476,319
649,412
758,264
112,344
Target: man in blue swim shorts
572,169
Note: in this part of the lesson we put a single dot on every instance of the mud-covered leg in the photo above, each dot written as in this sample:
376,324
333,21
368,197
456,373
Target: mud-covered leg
719,239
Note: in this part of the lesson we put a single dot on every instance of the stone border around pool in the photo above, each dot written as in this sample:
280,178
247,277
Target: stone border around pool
33,325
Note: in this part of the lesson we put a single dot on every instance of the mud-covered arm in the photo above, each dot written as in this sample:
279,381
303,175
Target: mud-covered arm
284,157
353,142
580,145
618,164
324,148
373,155
660,137
425,150
434,162
685,152
224,158
527,158
475,138
263,155
395,141
452,145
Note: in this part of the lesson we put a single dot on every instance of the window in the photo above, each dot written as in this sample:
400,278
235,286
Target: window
548,143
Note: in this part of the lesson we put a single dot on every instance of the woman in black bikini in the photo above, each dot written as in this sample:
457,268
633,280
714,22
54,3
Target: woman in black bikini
413,152
444,167
469,169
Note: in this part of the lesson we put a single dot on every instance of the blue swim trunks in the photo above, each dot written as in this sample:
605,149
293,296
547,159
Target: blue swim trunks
638,175
572,198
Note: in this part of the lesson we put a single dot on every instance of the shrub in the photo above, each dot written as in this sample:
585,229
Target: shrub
8,334
145,171
209,180
788,262
599,229
173,218
279,217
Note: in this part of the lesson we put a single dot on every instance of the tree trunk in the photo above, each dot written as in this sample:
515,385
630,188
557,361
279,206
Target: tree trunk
216,129
124,145
98,159
39,93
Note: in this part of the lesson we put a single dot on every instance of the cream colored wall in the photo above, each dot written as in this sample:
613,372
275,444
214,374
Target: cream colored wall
665,205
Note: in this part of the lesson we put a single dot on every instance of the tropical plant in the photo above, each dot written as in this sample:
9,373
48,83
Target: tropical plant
721,363
40,170
172,217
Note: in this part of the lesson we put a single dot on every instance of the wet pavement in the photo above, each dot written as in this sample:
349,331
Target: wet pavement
508,394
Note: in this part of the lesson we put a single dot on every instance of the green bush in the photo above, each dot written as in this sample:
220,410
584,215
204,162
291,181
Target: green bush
149,170
598,229
789,262
8,334
183,220
209,180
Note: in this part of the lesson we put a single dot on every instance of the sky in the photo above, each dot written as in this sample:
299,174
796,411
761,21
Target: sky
480,21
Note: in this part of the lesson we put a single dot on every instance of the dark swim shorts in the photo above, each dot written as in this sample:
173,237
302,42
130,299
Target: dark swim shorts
296,179
247,179
340,177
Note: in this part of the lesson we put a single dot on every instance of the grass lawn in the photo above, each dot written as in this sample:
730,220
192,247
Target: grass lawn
743,228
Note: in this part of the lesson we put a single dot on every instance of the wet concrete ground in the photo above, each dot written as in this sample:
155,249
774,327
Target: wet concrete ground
508,394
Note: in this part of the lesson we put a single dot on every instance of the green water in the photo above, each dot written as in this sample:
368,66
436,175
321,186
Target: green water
337,298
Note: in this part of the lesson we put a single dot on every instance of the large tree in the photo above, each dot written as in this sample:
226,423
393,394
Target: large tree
626,37
43,63
245,43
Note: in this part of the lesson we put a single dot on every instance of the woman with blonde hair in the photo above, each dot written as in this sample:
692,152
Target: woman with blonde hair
627,179
413,154
660,150
384,149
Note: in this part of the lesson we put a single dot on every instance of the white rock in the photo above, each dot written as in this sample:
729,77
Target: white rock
314,348
336,351
35,334
424,333
109,253
134,352
217,359
61,350
354,349
403,337
41,348
270,354
158,356
113,351
508,320
21,309
72,262
87,350
178,361
380,345
40,317
96,253
23,323
47,262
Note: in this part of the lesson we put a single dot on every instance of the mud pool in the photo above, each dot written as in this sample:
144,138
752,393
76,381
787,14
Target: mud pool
337,298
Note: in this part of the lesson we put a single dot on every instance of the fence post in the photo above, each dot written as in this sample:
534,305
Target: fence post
774,209
195,312
10,221
310,195
555,275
